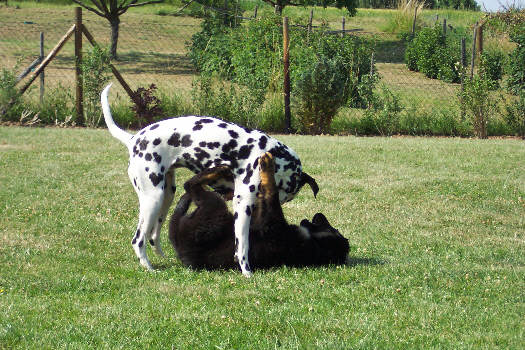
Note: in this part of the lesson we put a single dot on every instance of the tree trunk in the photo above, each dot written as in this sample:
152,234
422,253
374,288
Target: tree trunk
114,36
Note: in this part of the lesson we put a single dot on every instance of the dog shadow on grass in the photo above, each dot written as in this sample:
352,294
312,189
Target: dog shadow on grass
353,261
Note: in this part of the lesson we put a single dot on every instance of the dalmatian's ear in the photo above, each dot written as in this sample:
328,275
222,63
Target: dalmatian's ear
307,179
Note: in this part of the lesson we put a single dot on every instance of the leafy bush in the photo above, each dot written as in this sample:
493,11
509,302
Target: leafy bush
147,106
383,114
514,113
95,74
58,107
9,94
434,54
319,93
516,70
477,102
251,56
491,66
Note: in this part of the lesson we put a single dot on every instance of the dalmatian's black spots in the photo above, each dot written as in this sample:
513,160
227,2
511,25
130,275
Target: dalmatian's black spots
146,169
174,140
233,134
256,163
156,142
212,145
223,125
186,156
202,144
141,243
246,129
157,157
201,154
249,173
162,169
173,189
186,141
148,157
208,164
135,182
143,132
235,216
206,120
250,140
252,188
240,171
156,179
152,242
245,151
141,154
228,147
262,142
197,127
154,126
137,234
143,144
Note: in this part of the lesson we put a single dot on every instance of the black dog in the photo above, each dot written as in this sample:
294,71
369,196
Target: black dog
205,238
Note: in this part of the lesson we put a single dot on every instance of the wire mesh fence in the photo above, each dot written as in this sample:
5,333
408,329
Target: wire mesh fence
153,49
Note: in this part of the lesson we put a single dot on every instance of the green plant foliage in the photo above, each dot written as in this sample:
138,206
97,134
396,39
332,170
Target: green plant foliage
8,92
514,113
516,70
95,75
477,102
319,92
251,56
492,65
383,113
435,54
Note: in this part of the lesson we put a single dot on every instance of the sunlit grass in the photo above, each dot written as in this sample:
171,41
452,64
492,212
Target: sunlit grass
436,228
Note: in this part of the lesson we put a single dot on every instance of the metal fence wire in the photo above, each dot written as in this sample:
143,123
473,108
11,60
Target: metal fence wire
155,51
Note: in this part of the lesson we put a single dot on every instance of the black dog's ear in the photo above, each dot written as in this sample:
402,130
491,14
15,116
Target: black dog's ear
306,224
307,179
319,219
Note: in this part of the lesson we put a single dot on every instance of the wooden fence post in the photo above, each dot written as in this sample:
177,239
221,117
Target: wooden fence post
343,27
286,64
79,102
414,22
42,76
479,38
444,26
473,51
255,11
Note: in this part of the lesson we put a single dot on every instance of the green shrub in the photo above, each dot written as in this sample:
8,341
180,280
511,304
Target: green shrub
251,57
477,102
516,67
514,113
434,54
9,93
318,94
95,75
57,108
383,114
491,66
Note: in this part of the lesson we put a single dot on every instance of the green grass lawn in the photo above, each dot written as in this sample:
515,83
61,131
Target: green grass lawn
436,228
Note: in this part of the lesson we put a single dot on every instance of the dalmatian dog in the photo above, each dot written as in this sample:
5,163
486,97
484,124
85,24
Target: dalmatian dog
198,143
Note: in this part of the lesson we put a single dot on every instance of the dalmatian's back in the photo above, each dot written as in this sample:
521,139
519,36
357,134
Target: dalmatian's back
199,143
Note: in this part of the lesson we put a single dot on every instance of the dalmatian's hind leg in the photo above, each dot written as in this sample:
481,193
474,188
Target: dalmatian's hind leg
169,193
150,206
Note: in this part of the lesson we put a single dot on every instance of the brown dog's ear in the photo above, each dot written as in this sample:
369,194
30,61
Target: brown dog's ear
307,179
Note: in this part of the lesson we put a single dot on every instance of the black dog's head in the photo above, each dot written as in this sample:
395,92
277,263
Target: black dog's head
334,245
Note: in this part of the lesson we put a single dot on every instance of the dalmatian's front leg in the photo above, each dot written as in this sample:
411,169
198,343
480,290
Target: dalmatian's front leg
243,207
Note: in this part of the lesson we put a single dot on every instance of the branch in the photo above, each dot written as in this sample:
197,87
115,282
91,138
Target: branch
133,4
89,8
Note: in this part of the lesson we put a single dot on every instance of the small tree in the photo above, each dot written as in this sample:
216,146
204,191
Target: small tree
112,10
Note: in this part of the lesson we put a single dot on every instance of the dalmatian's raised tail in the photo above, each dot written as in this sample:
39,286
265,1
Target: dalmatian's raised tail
113,128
